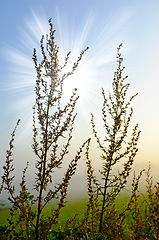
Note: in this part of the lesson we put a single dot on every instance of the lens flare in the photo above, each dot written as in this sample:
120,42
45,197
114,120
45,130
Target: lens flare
92,73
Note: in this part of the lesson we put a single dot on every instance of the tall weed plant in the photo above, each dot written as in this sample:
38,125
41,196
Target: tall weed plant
51,122
116,147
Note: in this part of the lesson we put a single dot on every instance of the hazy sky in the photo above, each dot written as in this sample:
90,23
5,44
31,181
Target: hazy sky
102,25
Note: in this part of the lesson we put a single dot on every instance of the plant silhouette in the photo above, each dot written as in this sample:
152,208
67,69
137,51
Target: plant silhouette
51,122
117,147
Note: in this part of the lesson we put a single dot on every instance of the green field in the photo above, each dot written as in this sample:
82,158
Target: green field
67,212
137,223
71,208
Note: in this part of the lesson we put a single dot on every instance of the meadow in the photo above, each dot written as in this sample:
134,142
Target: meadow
71,208
137,223
67,212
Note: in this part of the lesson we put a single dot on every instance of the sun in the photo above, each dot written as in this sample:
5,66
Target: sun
91,73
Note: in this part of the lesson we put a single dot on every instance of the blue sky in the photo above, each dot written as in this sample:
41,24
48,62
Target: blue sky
102,25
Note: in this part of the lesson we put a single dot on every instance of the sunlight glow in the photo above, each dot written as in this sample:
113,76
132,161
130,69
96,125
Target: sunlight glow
87,78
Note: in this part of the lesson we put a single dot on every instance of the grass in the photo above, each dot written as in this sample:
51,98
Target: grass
79,207
71,208
4,214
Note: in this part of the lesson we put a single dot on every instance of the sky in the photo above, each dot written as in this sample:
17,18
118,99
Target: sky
101,25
